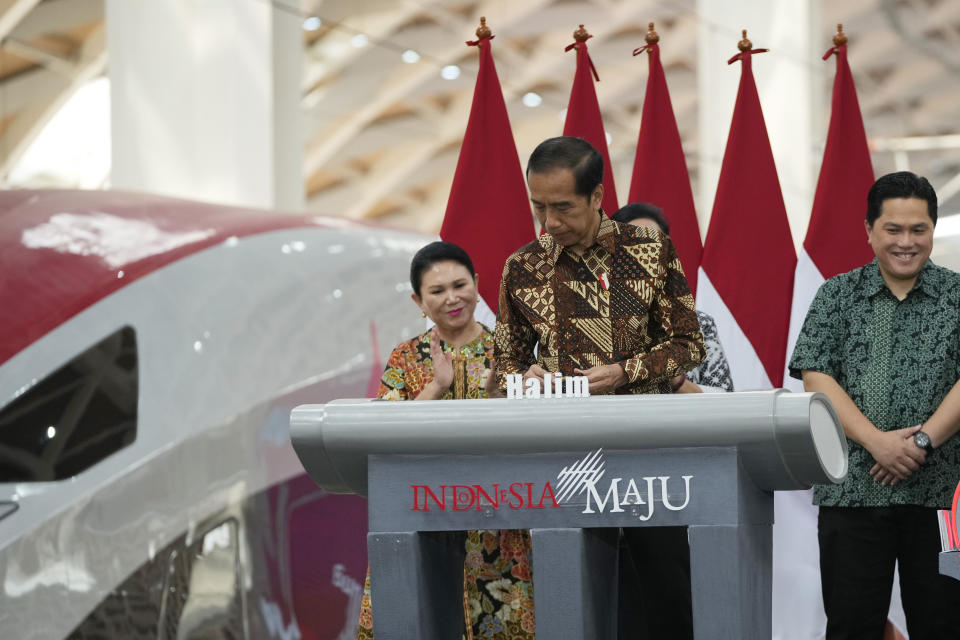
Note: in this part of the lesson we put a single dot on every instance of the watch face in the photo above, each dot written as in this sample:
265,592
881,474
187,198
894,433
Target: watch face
921,439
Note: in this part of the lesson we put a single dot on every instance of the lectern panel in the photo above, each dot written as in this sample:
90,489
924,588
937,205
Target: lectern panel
587,489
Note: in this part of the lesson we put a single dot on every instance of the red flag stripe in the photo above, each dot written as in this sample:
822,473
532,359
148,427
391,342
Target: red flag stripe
660,169
488,212
585,121
749,253
836,240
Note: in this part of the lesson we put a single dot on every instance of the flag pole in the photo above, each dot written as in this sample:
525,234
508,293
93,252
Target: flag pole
746,49
652,38
660,174
483,33
840,38
584,119
748,263
580,37
488,211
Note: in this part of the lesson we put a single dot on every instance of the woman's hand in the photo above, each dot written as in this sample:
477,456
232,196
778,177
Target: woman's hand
442,370
442,362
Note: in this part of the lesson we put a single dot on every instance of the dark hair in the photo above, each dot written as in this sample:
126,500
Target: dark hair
902,184
575,154
433,253
642,211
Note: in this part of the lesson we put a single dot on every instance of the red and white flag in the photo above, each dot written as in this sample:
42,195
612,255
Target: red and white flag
835,243
488,212
746,273
660,169
583,116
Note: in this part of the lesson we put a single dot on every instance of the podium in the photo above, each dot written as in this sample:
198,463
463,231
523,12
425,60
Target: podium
573,471
949,564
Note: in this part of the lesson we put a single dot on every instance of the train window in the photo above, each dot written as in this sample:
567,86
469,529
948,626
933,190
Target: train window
75,417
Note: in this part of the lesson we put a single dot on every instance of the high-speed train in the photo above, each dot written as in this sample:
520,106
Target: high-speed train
150,352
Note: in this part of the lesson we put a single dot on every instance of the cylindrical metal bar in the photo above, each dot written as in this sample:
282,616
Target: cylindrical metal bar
786,440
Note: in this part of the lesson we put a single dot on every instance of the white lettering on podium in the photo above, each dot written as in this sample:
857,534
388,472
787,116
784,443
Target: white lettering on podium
633,496
514,385
576,386
554,385
533,388
612,492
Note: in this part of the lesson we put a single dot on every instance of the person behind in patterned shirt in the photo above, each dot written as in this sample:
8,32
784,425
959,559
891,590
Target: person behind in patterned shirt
883,343
608,301
713,374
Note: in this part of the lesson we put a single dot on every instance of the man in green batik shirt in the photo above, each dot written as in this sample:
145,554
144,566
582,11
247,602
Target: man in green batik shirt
883,343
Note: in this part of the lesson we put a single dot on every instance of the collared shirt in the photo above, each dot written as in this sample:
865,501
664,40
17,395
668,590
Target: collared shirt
625,300
713,374
410,368
897,360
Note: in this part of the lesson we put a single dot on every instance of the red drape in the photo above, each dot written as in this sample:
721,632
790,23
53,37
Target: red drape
488,212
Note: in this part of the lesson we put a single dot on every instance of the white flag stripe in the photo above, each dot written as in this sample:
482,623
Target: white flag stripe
745,366
805,284
484,314
797,599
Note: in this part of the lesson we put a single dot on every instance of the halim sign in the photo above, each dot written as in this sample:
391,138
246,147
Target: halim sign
554,385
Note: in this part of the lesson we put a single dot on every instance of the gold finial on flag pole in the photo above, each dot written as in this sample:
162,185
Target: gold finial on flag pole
483,31
581,35
745,47
652,36
840,38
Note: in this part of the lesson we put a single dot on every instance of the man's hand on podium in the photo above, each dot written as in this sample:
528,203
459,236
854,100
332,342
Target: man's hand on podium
536,371
604,378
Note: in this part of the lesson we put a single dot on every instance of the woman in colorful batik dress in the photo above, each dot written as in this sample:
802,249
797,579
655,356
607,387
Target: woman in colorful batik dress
454,360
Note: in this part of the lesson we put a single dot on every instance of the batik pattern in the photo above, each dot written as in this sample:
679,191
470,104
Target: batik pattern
714,371
625,300
497,572
897,360
410,368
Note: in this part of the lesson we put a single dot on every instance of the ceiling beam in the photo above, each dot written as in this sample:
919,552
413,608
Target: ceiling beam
330,144
381,184
13,12
53,62
375,31
40,94
55,16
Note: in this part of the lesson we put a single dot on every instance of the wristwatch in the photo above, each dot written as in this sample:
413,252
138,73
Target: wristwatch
922,440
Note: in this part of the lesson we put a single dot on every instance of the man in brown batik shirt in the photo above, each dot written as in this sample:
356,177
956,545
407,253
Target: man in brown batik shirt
595,297
610,302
